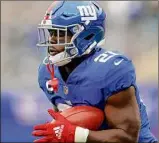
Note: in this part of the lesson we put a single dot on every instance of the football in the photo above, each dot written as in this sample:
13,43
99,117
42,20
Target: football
84,116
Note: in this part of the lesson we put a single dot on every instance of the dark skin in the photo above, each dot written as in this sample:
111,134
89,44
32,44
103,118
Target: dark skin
123,117
121,112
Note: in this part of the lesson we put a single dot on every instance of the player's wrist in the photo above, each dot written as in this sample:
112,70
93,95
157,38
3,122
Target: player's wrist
81,135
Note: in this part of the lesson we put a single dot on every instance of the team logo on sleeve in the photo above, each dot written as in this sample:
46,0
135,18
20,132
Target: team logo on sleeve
87,13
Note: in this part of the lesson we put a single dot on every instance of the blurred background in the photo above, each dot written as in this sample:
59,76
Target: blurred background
132,28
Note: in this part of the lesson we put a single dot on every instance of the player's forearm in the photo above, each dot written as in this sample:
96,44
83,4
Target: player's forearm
112,135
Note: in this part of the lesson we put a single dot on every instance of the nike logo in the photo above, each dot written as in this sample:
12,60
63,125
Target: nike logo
116,63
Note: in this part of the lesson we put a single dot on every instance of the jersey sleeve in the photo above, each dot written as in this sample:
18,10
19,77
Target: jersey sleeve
119,77
43,77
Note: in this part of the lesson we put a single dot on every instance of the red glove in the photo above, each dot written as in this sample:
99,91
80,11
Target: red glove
61,130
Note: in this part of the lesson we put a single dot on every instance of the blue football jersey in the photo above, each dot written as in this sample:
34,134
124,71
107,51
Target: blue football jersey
94,80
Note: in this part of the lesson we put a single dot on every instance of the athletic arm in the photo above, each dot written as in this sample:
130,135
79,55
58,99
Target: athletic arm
123,117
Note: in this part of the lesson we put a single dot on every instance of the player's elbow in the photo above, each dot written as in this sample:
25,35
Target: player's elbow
134,130
129,134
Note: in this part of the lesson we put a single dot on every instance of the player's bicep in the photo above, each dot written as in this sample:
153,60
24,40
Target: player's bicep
122,111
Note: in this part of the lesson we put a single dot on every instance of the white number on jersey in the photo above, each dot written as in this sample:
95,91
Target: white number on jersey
104,57
49,88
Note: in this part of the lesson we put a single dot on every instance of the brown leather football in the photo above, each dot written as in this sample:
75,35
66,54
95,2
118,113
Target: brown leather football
84,116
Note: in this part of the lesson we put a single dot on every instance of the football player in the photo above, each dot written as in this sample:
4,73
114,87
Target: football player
77,71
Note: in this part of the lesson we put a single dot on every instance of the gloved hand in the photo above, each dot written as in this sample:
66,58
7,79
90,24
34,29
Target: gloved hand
61,130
